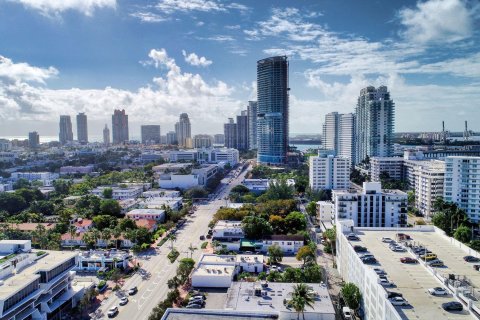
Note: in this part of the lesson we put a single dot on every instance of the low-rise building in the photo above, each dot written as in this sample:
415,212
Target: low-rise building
189,178
261,185
270,297
327,172
95,260
4,187
325,211
227,230
46,178
7,156
37,287
76,170
149,224
392,166
161,193
159,203
83,225
119,193
148,214
30,226
288,243
372,206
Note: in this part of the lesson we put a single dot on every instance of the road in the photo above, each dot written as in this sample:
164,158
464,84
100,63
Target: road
153,288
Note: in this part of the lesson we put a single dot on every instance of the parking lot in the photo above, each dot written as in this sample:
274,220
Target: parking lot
411,280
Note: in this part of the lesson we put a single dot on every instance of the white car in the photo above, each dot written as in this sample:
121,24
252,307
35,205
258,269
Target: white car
347,313
384,282
112,312
386,239
399,301
123,301
398,249
438,291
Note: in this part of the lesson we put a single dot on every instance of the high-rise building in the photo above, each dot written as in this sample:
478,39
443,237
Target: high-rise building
346,137
327,172
230,132
252,124
106,135
119,127
163,139
242,131
273,110
202,141
219,138
66,133
33,139
150,134
330,132
183,130
82,129
374,123
462,184
172,138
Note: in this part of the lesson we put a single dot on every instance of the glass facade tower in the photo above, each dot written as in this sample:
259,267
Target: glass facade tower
272,113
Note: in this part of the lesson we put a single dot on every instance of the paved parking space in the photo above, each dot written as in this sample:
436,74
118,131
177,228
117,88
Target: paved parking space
411,280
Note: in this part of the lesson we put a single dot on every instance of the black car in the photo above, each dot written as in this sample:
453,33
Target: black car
471,259
132,291
392,294
359,249
452,306
202,237
369,260
197,302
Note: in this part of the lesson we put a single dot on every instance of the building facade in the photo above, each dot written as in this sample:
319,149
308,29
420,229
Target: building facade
171,138
150,134
381,166
252,124
346,137
372,206
374,124
66,134
219,139
120,127
183,130
82,128
106,135
273,110
327,172
462,184
242,131
33,140
230,132
202,141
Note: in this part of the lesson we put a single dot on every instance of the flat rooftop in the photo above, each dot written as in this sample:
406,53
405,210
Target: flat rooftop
250,258
213,258
413,280
206,314
223,224
146,211
241,297
26,275
206,269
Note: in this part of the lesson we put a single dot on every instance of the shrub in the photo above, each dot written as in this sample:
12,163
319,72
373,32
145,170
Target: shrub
204,245
173,255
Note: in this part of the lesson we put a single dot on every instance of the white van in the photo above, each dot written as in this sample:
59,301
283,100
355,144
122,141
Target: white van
347,313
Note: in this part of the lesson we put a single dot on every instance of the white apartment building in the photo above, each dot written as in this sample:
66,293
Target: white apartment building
118,193
191,177
325,211
338,134
288,243
206,155
94,260
426,177
161,193
76,170
37,288
227,230
462,184
45,177
371,207
391,165
329,172
7,156
174,203
148,214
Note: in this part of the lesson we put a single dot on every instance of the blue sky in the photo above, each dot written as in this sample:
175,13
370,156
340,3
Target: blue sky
159,58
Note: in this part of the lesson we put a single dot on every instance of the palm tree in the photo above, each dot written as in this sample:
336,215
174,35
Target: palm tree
106,235
302,296
96,234
192,249
172,237
116,233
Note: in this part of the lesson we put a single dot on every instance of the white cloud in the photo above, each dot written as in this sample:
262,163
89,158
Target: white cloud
195,60
437,21
200,23
163,99
23,72
56,7
170,6
219,38
148,17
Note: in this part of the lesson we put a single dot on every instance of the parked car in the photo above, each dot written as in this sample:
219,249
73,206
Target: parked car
471,259
393,294
428,256
359,249
353,236
386,283
379,271
476,267
194,306
199,302
132,291
408,260
387,240
369,260
202,237
399,301
403,236
123,301
199,296
398,249
452,306
435,263
437,291
347,313
112,312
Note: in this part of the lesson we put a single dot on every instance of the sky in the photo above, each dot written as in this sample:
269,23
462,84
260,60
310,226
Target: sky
159,58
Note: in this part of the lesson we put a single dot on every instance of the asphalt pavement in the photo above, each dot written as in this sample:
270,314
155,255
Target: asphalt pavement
156,269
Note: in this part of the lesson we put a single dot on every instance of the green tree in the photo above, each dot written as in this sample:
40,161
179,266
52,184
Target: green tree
278,190
312,273
275,254
21,183
196,192
256,227
192,249
107,193
278,224
305,254
292,275
125,224
463,234
184,268
301,297
12,203
62,186
30,195
295,221
311,208
110,207
172,238
104,221
352,296
475,245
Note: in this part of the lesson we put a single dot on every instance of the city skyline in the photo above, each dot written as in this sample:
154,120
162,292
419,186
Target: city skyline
428,60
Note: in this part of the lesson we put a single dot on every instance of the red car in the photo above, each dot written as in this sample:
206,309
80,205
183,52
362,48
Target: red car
403,236
408,260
